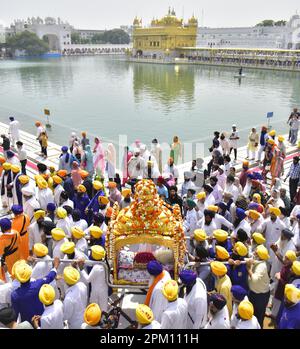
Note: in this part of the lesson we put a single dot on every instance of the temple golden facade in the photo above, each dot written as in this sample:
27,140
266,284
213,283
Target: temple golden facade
164,36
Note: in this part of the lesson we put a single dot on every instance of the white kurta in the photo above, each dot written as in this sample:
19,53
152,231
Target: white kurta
175,316
158,303
35,234
220,220
190,222
65,225
155,325
82,224
82,245
6,201
30,206
218,321
243,225
75,303
57,191
41,269
45,197
251,324
99,292
209,229
283,247
13,131
197,306
53,316
272,231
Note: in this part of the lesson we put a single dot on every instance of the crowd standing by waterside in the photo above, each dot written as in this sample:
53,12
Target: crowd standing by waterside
242,231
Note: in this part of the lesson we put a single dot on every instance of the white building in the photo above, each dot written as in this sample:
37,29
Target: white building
87,33
282,37
56,32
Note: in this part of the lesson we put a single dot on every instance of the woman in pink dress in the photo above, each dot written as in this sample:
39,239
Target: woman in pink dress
75,174
99,158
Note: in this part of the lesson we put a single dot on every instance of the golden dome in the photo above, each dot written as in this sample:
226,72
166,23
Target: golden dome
193,21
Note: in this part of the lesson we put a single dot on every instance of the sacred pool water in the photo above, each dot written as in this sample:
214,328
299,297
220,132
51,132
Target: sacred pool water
108,97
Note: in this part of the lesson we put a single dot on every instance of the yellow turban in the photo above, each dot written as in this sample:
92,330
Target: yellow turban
71,275
271,141
103,200
296,268
6,166
241,249
275,210
47,294
97,185
126,192
213,208
92,314
96,232
13,269
253,214
222,253
280,138
23,272
42,183
257,197
272,133
262,252
81,188
15,168
24,179
291,255
57,179
98,252
246,310
67,247
220,235
218,268
40,250
170,290
144,314
77,232
292,293
61,213
58,234
39,214
200,235
201,195
258,238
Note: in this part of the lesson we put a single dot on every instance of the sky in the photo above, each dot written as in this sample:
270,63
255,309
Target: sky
100,14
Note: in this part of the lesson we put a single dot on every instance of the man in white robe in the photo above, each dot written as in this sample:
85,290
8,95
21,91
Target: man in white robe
154,298
176,313
196,298
97,278
13,130
218,317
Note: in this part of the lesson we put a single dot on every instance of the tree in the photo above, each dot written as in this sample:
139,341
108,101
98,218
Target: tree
75,38
280,23
116,36
27,41
98,38
266,23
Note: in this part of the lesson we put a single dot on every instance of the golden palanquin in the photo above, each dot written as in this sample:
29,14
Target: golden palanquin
147,220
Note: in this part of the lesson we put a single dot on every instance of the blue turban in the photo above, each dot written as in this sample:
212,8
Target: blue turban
257,176
219,301
154,268
64,149
188,276
240,213
10,154
51,207
238,292
11,118
17,209
222,206
253,206
251,176
5,224
298,216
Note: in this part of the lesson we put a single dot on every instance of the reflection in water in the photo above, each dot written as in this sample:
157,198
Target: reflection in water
56,79
168,84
